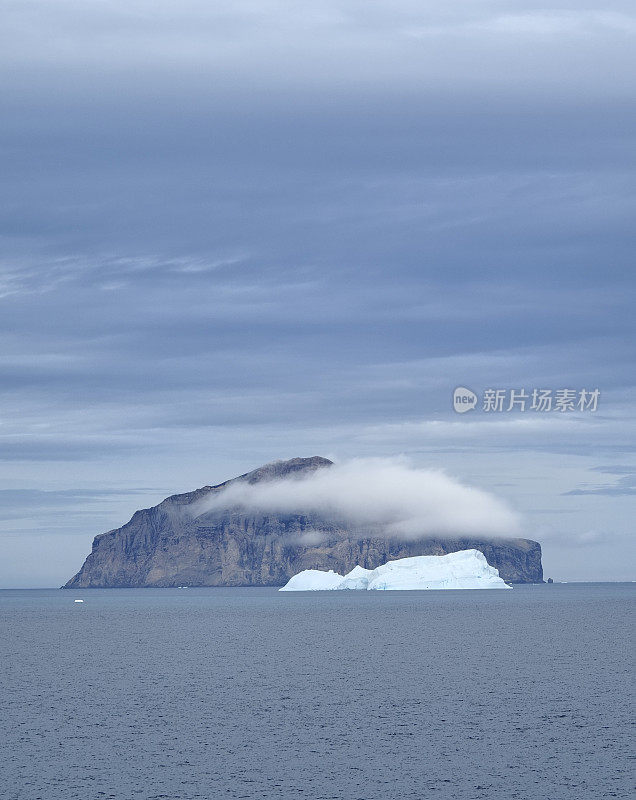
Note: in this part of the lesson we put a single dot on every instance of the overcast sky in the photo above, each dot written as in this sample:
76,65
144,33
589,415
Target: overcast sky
255,230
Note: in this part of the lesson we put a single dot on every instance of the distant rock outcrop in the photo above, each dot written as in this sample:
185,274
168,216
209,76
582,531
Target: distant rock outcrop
172,544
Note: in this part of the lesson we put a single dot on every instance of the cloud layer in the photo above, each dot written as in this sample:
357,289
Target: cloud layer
239,232
404,501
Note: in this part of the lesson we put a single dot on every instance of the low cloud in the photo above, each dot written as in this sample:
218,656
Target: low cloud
624,484
309,537
404,501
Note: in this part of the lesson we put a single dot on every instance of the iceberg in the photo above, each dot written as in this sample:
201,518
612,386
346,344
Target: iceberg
312,580
358,578
466,569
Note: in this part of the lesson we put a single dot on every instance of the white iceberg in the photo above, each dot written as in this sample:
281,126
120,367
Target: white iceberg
358,578
312,580
466,569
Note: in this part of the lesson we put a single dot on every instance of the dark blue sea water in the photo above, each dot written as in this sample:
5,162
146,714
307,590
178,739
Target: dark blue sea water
248,693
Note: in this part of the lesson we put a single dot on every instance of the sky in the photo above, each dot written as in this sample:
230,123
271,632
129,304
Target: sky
233,233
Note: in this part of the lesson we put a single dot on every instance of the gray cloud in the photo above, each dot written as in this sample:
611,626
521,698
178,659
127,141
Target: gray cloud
402,42
24,503
239,232
625,483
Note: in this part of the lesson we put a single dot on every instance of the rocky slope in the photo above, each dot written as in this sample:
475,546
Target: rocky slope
172,544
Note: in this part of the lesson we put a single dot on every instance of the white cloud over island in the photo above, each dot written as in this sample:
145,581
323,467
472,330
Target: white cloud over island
406,501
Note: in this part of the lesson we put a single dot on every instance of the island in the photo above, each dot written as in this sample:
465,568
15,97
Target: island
176,543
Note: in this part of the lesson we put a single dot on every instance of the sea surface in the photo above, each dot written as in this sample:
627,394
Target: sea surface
248,693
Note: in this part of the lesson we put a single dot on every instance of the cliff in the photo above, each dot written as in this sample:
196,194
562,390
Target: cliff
173,544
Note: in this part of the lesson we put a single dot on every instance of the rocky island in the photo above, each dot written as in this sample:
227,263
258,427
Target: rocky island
193,539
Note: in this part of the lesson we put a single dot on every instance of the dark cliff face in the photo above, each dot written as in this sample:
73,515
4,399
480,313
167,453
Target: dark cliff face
172,544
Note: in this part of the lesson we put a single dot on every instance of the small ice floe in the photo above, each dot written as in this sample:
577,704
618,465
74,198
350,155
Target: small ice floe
78,601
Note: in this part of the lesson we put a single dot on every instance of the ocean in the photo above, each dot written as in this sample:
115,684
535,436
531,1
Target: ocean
253,694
